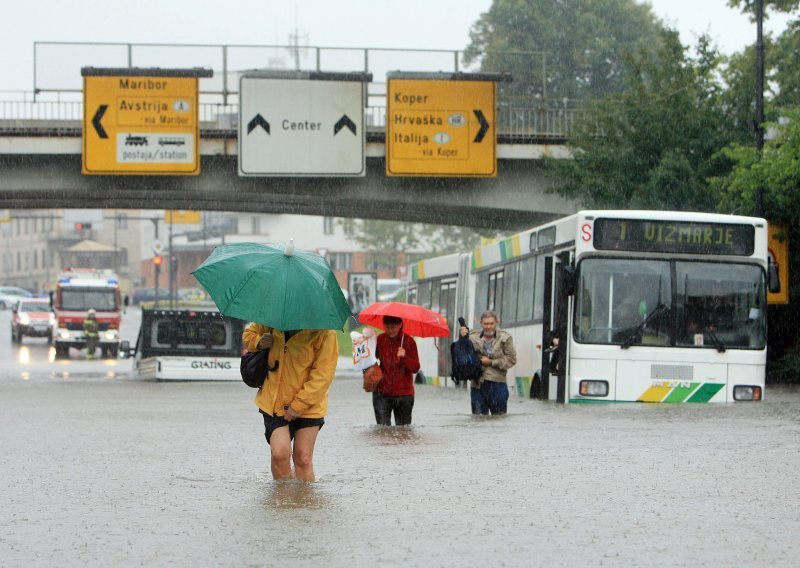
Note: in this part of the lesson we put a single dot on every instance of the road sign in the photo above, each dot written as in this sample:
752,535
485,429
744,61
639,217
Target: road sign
157,247
441,127
141,121
302,124
5,215
181,217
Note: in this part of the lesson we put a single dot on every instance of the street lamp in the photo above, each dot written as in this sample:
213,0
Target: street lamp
759,122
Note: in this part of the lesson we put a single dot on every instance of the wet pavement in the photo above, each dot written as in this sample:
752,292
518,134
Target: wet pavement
100,469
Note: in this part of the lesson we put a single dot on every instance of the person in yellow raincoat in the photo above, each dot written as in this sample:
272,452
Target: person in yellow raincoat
294,397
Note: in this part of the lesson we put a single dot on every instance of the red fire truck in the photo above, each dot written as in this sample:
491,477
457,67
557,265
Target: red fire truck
77,291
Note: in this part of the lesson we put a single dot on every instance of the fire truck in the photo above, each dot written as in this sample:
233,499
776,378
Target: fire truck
77,291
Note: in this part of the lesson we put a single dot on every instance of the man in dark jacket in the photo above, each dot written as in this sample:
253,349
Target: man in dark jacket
397,353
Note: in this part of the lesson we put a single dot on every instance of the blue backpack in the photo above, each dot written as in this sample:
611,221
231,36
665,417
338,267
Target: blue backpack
466,365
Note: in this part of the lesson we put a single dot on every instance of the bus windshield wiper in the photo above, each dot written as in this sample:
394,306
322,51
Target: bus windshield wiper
716,341
639,328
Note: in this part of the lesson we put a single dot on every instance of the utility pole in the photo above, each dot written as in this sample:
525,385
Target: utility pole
759,122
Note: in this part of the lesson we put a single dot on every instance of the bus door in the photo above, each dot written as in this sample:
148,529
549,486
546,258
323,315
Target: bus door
447,308
558,286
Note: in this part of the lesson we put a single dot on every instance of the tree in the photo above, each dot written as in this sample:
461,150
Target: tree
655,144
777,170
748,6
583,43
782,59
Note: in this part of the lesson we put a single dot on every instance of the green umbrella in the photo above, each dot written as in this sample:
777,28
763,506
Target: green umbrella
275,285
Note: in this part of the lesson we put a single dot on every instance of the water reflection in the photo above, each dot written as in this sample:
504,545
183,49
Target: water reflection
24,356
294,494
395,435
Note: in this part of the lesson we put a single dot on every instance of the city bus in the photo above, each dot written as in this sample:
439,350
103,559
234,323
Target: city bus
648,306
186,345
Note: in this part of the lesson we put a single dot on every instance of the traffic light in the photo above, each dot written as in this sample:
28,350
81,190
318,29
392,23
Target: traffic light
82,226
173,263
157,261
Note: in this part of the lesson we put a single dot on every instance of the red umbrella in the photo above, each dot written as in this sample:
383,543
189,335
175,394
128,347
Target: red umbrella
417,321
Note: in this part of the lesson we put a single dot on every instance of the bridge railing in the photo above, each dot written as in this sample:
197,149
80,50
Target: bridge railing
56,101
515,121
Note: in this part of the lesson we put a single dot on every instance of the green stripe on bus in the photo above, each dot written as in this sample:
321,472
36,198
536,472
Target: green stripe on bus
679,394
706,392
524,386
414,276
504,246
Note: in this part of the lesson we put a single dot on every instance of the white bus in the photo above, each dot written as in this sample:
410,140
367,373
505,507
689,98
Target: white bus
186,345
649,306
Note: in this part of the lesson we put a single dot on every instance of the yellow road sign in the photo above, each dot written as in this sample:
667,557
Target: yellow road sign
141,121
441,128
779,252
181,217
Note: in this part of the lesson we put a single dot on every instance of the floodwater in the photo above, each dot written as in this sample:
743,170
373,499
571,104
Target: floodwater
112,471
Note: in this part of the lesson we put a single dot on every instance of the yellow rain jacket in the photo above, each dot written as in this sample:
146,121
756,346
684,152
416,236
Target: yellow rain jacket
306,366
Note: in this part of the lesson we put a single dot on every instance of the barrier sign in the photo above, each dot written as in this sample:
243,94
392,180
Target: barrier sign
302,124
141,121
181,217
441,127
778,248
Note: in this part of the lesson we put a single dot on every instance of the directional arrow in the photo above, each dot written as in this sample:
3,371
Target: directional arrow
484,126
98,116
258,120
344,121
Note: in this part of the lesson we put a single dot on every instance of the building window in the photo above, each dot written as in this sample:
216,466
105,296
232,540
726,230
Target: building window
327,225
340,260
255,225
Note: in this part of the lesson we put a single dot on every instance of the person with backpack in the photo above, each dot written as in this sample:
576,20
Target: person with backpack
495,349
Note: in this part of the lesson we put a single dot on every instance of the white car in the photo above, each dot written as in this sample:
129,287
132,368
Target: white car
10,295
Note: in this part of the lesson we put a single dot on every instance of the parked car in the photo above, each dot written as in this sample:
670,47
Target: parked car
149,295
33,317
10,295
192,294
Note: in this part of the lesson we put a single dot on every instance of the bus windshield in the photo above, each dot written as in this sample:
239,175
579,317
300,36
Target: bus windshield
101,299
667,303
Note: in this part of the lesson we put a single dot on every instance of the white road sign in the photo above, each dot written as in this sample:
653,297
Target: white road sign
301,127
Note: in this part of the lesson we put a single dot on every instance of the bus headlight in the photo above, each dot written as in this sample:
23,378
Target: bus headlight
746,392
593,388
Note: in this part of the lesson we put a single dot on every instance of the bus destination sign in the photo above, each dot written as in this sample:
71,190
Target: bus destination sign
674,237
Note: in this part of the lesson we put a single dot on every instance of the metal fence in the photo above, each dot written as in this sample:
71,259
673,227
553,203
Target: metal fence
57,99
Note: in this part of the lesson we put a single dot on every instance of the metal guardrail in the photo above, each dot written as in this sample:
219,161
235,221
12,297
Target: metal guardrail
22,116
56,103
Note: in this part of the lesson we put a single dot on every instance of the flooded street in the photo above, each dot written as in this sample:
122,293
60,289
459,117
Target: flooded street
113,471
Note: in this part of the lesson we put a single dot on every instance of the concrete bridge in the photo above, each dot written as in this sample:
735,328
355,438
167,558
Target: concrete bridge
41,149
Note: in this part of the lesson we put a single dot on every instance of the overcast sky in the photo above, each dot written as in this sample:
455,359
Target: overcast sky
431,24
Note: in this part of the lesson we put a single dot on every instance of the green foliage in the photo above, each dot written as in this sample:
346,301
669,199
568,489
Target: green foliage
749,6
579,45
782,58
653,145
777,171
